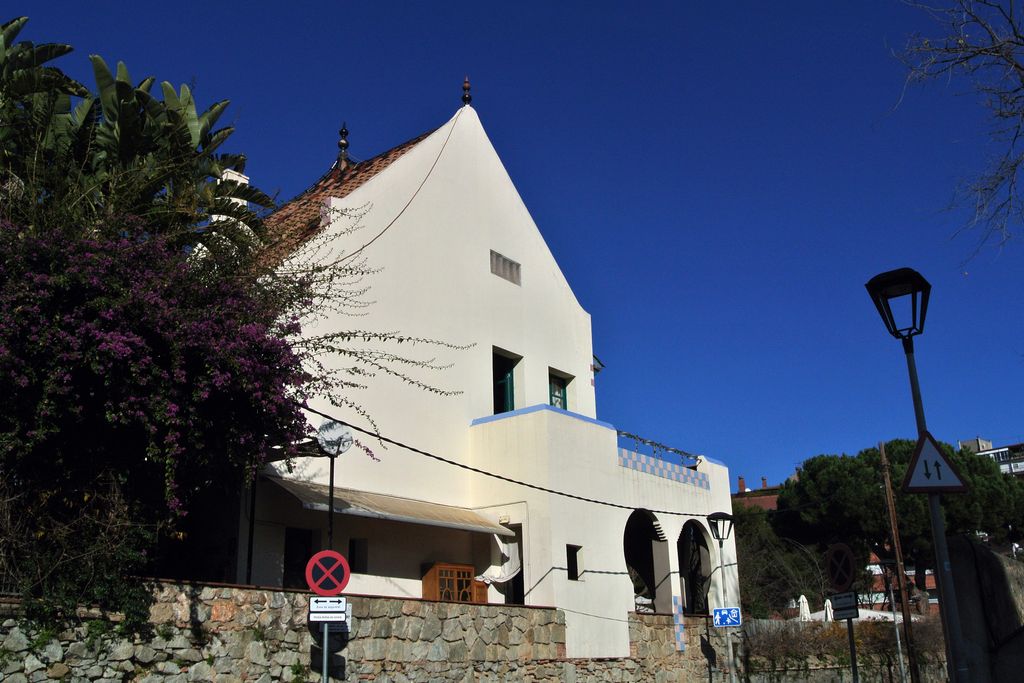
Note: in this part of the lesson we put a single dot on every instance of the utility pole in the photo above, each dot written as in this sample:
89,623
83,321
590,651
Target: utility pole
901,575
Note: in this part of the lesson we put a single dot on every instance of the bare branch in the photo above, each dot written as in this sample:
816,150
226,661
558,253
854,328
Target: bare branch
982,44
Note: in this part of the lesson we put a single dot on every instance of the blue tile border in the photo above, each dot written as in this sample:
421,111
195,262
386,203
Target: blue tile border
660,468
678,623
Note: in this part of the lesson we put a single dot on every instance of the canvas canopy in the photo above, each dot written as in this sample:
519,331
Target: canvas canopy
315,496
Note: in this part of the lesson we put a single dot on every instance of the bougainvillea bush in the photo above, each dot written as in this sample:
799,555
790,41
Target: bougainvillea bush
150,351
133,373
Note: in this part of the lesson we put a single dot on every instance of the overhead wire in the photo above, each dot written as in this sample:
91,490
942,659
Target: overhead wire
494,475
413,196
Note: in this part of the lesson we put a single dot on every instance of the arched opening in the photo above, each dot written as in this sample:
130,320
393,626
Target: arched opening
694,567
645,549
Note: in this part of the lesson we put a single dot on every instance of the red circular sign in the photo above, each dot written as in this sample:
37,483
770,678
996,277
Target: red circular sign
840,567
327,573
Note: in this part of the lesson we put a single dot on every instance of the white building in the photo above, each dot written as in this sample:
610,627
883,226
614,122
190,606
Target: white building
462,261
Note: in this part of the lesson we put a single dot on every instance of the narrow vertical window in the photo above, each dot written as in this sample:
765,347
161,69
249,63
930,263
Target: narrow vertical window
504,382
556,391
558,388
298,546
574,562
358,555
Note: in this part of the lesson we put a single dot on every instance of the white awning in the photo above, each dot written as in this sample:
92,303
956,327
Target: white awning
382,506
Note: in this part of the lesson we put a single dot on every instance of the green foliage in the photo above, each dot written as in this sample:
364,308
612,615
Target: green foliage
78,159
151,353
42,638
300,672
772,570
793,646
61,561
116,346
95,631
841,499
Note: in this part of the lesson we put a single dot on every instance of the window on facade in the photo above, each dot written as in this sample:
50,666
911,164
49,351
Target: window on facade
358,555
505,268
298,546
557,390
574,562
504,384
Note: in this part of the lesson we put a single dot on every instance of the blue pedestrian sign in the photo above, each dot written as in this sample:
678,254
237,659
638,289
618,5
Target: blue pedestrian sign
727,616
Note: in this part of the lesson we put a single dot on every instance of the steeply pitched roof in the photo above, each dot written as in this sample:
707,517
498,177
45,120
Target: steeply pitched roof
298,219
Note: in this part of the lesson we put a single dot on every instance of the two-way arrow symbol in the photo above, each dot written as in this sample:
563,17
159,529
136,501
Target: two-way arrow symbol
938,469
930,471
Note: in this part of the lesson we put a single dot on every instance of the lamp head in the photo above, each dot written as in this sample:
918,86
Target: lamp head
721,525
334,438
909,290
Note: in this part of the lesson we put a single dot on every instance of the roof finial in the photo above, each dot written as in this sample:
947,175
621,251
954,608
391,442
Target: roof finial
466,97
343,144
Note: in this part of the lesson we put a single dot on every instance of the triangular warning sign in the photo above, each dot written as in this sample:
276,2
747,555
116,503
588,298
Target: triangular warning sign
931,471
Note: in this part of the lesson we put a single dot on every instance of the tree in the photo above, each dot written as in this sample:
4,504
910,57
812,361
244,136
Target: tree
119,152
151,354
136,372
840,499
773,570
982,41
130,377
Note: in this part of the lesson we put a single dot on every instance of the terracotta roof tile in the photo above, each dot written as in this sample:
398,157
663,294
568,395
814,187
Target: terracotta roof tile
298,219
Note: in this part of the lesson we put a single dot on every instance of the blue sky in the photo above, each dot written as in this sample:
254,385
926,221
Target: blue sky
717,181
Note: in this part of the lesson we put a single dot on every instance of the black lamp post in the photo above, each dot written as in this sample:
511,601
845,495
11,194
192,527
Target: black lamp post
721,528
334,438
908,288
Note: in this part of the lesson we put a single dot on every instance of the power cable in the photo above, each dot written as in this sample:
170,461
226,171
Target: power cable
493,475
423,182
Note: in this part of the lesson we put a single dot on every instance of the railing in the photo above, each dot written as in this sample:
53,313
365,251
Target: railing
639,444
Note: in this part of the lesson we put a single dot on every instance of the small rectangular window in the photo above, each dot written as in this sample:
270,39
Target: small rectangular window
358,555
574,561
558,388
505,268
556,391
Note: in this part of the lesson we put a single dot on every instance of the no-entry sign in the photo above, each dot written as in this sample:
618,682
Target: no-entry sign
327,573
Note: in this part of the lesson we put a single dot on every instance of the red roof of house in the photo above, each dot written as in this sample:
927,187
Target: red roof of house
298,219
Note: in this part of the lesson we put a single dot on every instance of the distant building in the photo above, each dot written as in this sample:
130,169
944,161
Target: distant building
766,497
1010,458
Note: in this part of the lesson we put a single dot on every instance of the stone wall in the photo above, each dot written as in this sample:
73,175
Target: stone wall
212,633
229,634
990,595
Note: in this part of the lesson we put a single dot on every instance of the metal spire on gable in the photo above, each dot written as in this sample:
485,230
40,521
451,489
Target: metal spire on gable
343,146
466,97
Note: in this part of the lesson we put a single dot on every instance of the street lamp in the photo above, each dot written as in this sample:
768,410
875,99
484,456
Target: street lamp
909,291
334,438
721,527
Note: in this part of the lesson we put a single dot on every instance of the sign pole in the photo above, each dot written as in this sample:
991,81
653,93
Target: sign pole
327,574
323,670
853,650
728,634
956,664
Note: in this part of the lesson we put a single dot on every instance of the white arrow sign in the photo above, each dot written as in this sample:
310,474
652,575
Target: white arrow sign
931,471
320,604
